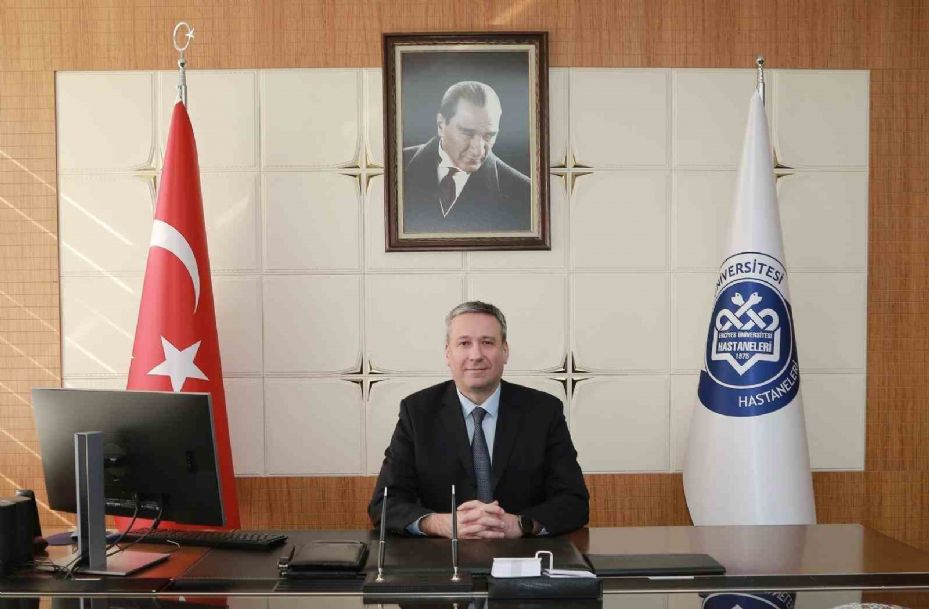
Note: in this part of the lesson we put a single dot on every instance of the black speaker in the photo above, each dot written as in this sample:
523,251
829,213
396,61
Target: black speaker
39,543
15,533
34,517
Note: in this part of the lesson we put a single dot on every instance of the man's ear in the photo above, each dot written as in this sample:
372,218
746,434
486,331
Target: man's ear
506,352
439,123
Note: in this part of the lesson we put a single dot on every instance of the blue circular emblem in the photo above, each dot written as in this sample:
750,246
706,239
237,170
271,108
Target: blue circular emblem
751,361
755,600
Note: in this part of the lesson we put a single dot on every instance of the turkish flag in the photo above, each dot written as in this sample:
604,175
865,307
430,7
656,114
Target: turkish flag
176,347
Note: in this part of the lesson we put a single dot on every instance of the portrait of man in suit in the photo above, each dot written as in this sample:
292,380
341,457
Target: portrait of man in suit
454,183
505,447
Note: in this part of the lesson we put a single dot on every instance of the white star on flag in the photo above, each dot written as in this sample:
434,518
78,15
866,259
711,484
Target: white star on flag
179,365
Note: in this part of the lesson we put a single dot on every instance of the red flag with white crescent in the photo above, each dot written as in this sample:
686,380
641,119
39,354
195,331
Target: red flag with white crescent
176,345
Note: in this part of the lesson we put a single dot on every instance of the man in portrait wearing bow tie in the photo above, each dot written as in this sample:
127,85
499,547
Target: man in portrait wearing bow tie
454,182
505,447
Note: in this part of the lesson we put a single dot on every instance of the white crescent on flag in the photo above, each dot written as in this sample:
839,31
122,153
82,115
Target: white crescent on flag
169,238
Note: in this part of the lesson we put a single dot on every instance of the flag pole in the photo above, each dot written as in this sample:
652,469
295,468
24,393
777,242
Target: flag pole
182,60
759,61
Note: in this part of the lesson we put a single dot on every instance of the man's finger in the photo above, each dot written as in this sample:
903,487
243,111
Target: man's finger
470,505
471,531
469,516
493,508
490,534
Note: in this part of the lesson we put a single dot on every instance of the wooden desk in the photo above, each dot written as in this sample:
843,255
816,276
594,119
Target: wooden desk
807,557
815,557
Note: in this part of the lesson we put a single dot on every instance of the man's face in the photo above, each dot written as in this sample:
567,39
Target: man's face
476,352
469,135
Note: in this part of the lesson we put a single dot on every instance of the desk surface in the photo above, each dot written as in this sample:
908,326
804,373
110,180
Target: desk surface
813,557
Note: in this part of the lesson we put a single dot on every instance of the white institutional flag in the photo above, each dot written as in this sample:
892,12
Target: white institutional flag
747,458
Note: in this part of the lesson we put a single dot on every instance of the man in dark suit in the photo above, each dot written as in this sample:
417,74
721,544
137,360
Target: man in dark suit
454,182
505,447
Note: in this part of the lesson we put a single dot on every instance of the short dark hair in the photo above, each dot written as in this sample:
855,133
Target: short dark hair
476,306
473,91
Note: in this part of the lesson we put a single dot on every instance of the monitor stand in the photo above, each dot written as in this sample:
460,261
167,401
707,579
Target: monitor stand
91,516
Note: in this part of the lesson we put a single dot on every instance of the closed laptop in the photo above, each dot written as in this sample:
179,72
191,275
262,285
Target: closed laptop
654,564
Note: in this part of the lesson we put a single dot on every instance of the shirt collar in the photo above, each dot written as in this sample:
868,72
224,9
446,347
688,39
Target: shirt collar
491,404
445,160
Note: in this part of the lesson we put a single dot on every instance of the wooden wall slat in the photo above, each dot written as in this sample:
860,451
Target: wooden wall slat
886,36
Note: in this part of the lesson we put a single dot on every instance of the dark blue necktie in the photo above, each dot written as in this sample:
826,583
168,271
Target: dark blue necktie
481,457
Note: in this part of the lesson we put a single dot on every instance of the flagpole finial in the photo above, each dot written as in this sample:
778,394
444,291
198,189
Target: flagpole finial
182,60
759,61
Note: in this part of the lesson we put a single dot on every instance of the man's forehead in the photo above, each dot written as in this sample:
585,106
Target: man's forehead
466,110
475,325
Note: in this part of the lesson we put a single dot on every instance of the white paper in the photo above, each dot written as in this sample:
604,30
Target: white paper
516,567
568,573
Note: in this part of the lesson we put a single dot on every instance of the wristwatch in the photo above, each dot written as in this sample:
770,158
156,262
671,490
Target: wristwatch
526,525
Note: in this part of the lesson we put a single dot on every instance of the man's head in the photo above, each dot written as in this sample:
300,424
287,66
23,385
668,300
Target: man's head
468,122
475,348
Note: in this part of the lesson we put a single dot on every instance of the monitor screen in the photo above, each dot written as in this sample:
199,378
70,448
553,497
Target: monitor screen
159,447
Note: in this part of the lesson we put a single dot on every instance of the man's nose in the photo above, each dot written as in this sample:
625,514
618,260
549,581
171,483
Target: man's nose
475,352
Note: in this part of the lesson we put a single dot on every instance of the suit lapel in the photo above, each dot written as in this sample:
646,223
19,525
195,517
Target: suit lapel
455,426
508,425
481,183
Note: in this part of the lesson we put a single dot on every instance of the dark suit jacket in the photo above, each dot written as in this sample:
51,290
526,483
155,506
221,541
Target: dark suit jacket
496,197
534,464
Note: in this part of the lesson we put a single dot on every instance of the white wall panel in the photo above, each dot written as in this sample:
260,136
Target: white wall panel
702,208
105,121
559,83
830,314
621,423
381,413
834,405
98,318
310,118
620,117
230,210
821,118
710,110
620,220
105,222
535,306
312,323
683,401
312,221
238,321
374,115
316,426
406,324
693,302
621,322
245,410
223,109
824,216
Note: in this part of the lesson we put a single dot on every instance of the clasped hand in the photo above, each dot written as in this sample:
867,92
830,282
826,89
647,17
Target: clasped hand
476,520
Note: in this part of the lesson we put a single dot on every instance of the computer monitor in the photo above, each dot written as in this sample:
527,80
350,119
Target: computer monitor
158,446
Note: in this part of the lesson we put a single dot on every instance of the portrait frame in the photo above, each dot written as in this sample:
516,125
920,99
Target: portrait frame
500,142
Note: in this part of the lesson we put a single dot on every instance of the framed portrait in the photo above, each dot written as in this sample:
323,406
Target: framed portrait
466,136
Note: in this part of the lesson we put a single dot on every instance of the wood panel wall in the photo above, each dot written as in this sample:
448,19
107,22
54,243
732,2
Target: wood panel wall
889,37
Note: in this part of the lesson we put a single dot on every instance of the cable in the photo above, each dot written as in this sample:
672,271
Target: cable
135,515
154,526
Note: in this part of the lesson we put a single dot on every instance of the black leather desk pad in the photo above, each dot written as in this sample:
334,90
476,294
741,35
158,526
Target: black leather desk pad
248,570
414,554
654,564
81,584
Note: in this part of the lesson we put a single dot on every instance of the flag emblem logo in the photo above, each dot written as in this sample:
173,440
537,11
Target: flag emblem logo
751,363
